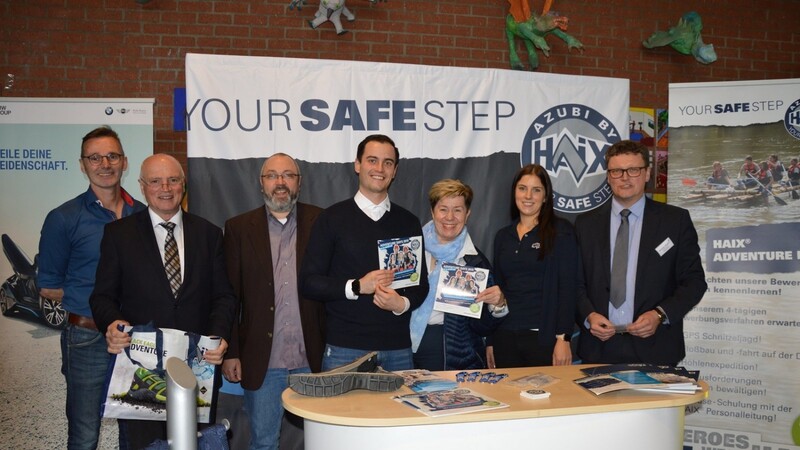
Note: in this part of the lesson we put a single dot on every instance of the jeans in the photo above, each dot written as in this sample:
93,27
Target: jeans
388,359
84,362
265,408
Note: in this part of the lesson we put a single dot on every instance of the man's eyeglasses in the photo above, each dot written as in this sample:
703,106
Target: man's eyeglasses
632,172
156,183
97,159
287,176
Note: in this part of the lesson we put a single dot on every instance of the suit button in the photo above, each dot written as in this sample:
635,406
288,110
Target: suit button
270,335
272,308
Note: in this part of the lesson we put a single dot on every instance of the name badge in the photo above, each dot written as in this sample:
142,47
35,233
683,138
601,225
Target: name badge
664,246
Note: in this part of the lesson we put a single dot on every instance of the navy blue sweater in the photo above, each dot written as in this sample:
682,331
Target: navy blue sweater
344,246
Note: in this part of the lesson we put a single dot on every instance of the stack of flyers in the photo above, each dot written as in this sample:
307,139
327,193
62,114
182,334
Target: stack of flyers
403,256
457,288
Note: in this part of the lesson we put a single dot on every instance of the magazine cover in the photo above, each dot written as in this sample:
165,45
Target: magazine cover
422,380
403,255
457,288
449,402
635,379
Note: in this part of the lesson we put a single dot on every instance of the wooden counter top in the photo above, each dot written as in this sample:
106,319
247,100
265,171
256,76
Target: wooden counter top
374,409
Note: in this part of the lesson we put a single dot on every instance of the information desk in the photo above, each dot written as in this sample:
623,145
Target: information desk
572,418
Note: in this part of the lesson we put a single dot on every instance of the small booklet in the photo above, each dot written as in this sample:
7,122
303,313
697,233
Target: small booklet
653,370
403,256
421,380
457,288
449,402
638,380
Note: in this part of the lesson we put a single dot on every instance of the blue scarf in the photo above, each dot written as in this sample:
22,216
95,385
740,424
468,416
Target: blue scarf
442,252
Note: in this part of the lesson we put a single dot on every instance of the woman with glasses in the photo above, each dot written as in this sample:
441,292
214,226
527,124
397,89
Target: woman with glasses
536,266
444,341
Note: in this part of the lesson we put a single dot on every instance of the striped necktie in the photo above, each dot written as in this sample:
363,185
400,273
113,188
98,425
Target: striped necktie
172,260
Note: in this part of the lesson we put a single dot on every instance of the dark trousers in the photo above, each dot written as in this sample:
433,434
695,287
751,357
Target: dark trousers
430,354
520,349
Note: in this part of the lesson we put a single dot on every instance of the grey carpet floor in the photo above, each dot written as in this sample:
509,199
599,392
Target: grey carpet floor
32,389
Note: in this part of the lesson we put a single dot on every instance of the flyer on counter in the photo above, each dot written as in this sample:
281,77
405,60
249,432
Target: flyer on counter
457,288
404,256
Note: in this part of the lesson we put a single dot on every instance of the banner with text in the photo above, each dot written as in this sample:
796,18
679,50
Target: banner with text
734,150
478,125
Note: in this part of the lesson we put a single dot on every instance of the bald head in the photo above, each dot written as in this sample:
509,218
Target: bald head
161,180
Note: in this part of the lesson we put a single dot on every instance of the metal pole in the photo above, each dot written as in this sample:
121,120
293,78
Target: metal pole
181,405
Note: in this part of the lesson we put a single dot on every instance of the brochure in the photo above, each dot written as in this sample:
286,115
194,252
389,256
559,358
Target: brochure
637,380
649,369
421,380
449,402
403,256
457,288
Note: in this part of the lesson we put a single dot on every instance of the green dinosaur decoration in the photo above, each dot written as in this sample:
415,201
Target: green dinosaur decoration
532,30
685,38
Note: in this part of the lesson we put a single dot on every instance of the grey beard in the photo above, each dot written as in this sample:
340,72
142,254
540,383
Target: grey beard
280,207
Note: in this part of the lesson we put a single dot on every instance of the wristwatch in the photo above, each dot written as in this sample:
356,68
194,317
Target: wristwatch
564,337
661,316
356,286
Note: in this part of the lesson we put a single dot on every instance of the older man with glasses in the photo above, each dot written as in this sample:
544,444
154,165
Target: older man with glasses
166,267
641,269
69,250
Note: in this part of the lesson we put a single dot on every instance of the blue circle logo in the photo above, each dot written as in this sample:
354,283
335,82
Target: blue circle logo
792,119
570,142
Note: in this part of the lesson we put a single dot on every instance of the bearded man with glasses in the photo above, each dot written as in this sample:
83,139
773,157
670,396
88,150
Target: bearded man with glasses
69,250
278,332
641,269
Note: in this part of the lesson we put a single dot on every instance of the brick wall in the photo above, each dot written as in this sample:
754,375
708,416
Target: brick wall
118,48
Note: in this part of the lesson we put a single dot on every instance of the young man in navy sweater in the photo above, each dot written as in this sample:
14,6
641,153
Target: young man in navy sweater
341,267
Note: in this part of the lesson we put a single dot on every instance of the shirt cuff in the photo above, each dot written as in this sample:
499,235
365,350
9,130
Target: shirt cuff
499,312
348,290
407,307
666,317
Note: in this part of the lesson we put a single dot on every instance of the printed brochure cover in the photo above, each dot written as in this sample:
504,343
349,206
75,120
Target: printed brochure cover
421,380
403,256
661,382
449,402
457,288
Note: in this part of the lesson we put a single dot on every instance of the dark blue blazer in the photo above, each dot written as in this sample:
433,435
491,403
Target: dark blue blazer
675,281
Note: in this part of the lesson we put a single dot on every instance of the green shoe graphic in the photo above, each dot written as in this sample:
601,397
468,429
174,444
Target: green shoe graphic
148,387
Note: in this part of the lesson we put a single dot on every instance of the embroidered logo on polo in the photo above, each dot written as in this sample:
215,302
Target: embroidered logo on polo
570,142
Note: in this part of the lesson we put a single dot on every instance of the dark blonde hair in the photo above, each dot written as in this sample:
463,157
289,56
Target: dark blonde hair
449,188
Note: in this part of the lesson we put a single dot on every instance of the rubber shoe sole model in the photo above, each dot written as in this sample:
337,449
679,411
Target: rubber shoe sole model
367,363
328,384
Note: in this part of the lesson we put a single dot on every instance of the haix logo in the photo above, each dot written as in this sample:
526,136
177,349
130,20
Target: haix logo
570,142
792,119
730,243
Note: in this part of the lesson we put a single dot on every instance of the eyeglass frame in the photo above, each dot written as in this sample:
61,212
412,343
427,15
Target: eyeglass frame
157,183
96,159
627,171
286,176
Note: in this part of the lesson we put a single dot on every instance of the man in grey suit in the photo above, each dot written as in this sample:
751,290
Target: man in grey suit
278,332
133,286
660,276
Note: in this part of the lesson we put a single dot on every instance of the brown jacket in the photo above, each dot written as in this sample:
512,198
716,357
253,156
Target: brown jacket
248,259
